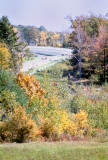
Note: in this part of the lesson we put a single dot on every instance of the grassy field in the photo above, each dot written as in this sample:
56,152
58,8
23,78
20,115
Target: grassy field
54,151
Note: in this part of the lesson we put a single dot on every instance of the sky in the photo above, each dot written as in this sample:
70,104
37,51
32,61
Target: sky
50,13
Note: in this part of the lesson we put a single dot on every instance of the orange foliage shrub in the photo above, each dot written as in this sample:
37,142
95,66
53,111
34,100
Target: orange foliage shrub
30,85
47,127
19,127
3,131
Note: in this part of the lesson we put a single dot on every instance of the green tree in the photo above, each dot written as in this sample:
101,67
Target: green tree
29,34
8,101
7,33
7,82
9,36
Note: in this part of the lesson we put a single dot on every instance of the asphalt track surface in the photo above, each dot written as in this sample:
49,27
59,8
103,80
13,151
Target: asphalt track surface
46,56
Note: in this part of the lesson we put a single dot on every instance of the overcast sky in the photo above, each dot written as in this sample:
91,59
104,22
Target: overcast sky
49,13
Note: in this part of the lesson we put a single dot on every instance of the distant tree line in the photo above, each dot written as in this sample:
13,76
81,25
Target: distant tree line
88,41
40,36
14,39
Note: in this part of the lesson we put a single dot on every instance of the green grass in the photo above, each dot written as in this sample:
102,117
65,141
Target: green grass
55,72
54,151
45,66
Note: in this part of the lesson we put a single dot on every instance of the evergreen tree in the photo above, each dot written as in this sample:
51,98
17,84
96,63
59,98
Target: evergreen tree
9,36
7,33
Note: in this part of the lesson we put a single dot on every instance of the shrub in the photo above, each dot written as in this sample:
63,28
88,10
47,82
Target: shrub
55,123
37,107
8,100
47,127
30,85
79,124
19,127
7,82
44,107
95,102
53,77
60,123
3,131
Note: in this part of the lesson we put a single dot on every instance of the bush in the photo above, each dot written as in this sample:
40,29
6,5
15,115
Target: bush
19,127
95,102
30,85
60,123
79,124
8,100
53,120
3,131
7,103
7,82
47,127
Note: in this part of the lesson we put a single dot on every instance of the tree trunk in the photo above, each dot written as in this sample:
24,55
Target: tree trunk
79,65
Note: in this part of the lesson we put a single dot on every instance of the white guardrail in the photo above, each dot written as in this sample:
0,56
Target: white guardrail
44,67
61,53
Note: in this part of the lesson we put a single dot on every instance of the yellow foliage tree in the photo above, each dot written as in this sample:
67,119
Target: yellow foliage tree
43,37
55,40
5,56
30,85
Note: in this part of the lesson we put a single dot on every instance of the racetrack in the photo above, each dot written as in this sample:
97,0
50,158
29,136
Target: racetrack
50,51
45,56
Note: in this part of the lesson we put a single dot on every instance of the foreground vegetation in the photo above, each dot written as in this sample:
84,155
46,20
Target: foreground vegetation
54,109
54,151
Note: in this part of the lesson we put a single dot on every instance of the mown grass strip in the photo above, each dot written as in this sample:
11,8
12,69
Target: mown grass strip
54,151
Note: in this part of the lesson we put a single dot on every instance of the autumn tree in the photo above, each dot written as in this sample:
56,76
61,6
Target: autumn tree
90,24
9,36
30,85
83,40
101,51
66,40
43,36
5,56
79,41
55,39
